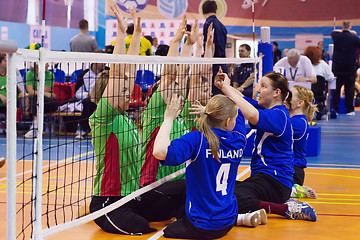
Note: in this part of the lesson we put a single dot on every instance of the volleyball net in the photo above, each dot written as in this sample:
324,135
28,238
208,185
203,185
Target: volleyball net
85,126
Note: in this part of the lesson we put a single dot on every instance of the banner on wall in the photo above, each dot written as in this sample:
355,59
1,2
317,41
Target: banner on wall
35,35
163,30
290,13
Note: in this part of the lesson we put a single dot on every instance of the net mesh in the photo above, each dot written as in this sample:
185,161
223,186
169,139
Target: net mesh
100,119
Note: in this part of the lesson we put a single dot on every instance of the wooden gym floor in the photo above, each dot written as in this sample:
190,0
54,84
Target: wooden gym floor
334,175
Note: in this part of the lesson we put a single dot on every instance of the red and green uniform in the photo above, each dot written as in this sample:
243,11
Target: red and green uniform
116,145
151,120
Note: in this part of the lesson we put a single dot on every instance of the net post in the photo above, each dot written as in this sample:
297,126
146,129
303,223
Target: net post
10,47
38,145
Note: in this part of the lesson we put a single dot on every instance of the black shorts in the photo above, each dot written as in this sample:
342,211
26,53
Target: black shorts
183,228
123,220
259,187
162,203
299,175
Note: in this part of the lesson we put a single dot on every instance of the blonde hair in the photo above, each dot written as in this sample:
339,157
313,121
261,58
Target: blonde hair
307,96
99,87
218,109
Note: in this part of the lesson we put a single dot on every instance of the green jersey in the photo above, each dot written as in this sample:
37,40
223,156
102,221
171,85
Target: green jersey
2,88
31,79
151,120
116,145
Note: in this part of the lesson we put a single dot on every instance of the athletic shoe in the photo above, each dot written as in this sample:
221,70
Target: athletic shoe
2,161
32,133
81,135
333,114
263,216
350,113
300,211
302,192
249,219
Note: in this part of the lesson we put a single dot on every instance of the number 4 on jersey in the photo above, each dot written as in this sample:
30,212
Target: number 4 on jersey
222,177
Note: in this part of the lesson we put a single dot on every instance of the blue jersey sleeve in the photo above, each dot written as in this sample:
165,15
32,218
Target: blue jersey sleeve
254,103
240,123
182,149
300,126
272,120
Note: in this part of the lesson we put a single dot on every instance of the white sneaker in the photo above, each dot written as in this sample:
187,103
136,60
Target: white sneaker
350,113
263,216
249,219
81,135
32,133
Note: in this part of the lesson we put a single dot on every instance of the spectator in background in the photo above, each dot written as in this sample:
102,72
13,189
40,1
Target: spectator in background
90,103
243,76
285,51
162,50
84,87
109,49
320,46
151,40
145,44
155,44
82,42
297,69
344,65
3,82
220,35
277,52
323,75
50,102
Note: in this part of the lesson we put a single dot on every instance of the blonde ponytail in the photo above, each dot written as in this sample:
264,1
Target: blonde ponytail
307,96
218,109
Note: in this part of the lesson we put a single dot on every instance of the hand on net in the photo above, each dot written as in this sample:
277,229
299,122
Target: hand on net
173,108
198,110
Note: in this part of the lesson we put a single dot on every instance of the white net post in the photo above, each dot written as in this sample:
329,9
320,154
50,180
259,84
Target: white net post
38,161
10,47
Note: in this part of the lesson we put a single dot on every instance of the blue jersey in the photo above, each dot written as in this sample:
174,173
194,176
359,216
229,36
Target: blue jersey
301,132
273,152
210,200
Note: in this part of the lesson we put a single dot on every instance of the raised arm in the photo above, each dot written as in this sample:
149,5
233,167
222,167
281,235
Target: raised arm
134,47
170,71
119,47
175,42
201,74
162,140
193,36
222,82
120,85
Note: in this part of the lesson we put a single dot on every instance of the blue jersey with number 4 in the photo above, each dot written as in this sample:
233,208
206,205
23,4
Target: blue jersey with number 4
210,200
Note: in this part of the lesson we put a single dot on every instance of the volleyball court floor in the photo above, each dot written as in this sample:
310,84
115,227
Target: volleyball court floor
334,175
